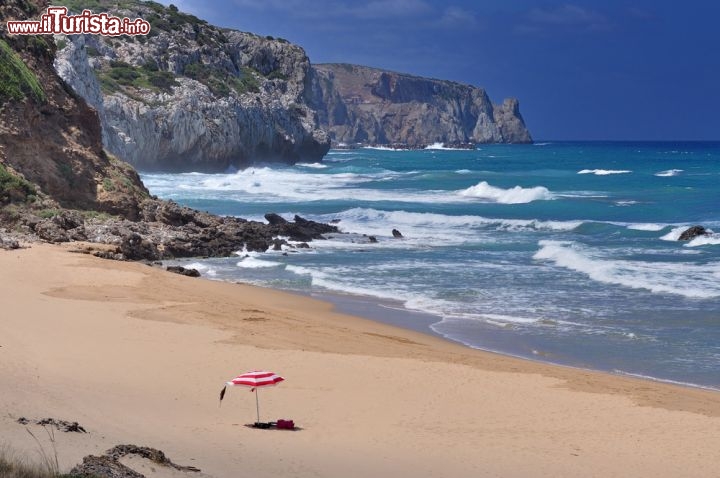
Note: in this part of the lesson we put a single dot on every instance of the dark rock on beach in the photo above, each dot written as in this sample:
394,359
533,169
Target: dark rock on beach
183,271
65,226
152,454
61,425
109,466
305,230
103,467
167,230
275,219
9,244
693,232
135,247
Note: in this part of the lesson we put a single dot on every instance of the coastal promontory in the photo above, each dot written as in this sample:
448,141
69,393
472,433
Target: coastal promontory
358,104
190,96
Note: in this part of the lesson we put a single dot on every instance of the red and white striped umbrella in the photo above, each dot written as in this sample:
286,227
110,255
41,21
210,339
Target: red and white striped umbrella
254,380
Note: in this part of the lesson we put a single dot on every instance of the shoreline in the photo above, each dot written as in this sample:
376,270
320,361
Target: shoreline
357,306
422,322
394,314
138,355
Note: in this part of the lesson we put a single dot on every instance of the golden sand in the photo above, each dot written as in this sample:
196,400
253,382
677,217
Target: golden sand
138,355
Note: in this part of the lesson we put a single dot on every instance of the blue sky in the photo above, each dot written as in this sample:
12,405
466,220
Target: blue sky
597,70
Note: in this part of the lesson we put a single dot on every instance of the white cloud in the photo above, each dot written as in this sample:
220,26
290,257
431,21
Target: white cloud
373,9
566,16
199,8
457,17
390,8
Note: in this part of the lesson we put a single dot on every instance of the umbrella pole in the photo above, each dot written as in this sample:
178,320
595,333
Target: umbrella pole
257,405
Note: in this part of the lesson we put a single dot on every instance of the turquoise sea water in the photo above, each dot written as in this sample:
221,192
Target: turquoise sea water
562,252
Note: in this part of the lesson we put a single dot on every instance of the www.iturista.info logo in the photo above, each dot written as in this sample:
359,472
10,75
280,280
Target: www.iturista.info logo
57,21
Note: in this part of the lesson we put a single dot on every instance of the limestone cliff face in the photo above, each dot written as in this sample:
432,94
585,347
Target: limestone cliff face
49,135
358,104
190,96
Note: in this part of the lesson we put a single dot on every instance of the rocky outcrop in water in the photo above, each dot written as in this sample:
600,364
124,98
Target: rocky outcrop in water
693,232
167,230
358,104
191,96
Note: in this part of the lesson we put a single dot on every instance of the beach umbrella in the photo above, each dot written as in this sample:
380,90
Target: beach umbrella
253,380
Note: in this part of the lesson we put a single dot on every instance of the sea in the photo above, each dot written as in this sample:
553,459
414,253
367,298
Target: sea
561,252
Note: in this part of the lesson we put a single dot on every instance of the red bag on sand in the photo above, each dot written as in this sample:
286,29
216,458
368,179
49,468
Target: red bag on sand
285,424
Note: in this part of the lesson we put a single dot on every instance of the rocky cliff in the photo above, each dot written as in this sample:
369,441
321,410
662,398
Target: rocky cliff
50,147
358,104
56,179
190,96
193,97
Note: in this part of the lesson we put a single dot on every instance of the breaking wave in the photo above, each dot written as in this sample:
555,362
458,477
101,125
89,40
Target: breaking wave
604,172
669,172
685,279
515,195
441,147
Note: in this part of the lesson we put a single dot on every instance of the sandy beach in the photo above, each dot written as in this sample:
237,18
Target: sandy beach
138,355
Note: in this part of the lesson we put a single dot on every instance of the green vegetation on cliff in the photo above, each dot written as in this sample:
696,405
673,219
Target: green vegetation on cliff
16,80
220,81
119,75
170,19
14,189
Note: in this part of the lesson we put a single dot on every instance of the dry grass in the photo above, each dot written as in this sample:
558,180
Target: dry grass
14,466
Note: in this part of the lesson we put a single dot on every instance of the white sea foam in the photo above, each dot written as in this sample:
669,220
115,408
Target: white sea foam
709,240
251,262
299,270
500,319
346,282
312,165
268,185
515,195
604,172
203,269
674,382
343,157
383,148
647,227
441,147
284,184
669,173
686,279
431,229
327,281
674,234
463,171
